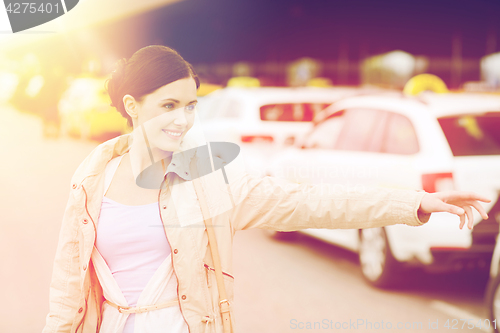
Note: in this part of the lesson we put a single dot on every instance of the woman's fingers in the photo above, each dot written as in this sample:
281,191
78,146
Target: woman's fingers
465,199
456,202
460,195
446,207
470,217
462,220
479,208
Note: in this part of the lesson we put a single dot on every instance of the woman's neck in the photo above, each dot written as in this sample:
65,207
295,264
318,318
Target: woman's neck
143,157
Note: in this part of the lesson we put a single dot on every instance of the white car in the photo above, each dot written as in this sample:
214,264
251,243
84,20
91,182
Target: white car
262,120
436,142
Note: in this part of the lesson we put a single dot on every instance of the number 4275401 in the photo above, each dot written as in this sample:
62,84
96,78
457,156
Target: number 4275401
455,324
31,7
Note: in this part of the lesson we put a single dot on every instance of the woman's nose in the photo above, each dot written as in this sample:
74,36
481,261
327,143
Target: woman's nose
180,117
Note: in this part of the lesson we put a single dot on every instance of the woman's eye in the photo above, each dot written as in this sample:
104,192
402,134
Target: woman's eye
169,106
190,107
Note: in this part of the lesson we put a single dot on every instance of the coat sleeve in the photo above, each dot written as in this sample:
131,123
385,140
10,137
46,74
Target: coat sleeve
65,289
278,204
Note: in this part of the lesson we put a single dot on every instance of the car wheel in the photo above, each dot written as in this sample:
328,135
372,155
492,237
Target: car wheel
493,302
378,265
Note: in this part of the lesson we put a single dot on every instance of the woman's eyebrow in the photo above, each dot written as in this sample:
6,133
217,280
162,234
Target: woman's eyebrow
170,99
176,101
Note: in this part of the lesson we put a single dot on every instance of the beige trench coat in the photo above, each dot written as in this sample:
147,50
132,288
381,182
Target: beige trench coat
249,202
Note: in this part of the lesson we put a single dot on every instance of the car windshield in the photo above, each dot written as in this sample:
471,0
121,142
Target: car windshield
473,134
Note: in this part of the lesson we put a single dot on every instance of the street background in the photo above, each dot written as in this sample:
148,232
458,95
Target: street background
275,282
279,285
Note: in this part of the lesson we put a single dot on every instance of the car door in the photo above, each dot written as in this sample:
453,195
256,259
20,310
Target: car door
339,151
380,149
398,159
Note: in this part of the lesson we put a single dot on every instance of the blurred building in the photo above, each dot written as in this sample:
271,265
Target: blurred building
346,43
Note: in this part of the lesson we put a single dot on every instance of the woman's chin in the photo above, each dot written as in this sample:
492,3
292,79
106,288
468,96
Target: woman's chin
169,147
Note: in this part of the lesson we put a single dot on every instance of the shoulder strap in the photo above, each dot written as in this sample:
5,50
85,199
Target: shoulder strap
223,302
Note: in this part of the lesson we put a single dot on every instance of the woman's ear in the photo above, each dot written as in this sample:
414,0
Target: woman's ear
131,106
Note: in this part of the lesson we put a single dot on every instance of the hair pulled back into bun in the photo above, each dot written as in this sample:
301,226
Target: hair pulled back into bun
148,69
116,81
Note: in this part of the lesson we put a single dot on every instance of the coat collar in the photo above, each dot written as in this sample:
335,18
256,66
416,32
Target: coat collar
97,160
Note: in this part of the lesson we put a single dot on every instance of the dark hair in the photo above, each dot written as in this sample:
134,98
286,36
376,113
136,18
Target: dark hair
148,69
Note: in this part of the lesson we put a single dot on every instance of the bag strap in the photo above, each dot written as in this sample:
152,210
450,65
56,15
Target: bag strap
223,301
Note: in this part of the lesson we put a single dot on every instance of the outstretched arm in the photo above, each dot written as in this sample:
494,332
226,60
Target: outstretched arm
454,202
278,204
272,203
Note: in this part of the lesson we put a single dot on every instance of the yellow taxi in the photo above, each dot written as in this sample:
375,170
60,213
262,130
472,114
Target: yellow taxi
85,111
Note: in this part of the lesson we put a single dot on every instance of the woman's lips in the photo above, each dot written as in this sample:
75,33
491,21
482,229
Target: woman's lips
174,135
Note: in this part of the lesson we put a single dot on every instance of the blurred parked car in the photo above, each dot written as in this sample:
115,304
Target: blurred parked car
435,142
85,111
262,120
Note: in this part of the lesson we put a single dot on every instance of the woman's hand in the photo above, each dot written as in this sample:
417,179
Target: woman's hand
454,202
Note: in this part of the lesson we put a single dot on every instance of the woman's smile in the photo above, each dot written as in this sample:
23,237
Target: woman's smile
173,134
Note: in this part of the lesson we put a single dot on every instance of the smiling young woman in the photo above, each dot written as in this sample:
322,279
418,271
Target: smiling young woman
135,258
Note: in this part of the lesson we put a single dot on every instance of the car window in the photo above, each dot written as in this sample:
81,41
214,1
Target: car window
325,134
314,108
400,136
291,111
361,131
473,134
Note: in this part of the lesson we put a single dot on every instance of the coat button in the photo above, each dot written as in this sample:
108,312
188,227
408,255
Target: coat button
186,173
84,266
85,221
74,186
183,297
175,251
80,310
164,207
173,164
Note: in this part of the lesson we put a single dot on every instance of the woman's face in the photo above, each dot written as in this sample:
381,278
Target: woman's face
168,113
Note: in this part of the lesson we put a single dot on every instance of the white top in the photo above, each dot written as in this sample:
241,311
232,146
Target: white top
133,264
